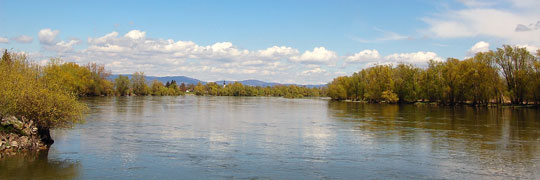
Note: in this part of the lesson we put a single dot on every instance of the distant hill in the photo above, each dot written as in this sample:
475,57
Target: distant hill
178,79
188,80
250,82
253,82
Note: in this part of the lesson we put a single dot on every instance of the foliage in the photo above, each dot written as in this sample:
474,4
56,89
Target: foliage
121,85
238,89
138,84
27,92
488,77
89,80
515,64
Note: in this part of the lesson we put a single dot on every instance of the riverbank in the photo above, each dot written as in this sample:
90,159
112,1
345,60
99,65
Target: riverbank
19,135
468,104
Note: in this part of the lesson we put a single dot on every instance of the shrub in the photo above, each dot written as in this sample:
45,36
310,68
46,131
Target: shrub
25,93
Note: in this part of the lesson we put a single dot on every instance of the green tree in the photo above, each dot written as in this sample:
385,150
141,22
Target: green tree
406,82
337,89
99,85
69,76
432,82
138,84
378,80
121,85
26,93
199,89
515,64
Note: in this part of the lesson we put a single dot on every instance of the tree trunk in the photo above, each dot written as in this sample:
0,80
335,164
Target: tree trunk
45,135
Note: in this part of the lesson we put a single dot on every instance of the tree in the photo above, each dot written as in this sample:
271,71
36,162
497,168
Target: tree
26,93
432,82
406,79
378,80
199,89
515,64
337,89
183,87
69,76
157,88
99,84
121,85
138,84
212,88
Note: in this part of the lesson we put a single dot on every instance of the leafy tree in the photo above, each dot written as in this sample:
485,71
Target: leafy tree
432,82
406,82
99,85
69,76
25,92
138,84
337,89
378,79
121,84
515,64
199,89
183,87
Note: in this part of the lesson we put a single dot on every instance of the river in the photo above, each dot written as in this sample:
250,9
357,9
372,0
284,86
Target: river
190,137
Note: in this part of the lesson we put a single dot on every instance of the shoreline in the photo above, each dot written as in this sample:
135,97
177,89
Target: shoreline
18,135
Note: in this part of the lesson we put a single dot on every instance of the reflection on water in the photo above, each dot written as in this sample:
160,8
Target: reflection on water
275,138
477,141
37,166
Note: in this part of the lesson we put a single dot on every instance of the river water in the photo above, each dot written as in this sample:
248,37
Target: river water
191,137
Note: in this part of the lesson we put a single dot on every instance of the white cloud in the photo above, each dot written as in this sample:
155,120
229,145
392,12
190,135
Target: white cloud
313,71
481,46
417,58
23,39
103,39
488,19
364,56
277,52
49,39
4,40
47,36
372,57
135,34
318,55
134,51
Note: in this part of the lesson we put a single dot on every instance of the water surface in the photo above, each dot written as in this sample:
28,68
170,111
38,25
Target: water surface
193,137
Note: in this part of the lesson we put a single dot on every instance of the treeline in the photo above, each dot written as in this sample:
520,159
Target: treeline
93,80
238,89
507,75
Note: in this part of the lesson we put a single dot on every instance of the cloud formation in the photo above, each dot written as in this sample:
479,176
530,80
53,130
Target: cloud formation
417,58
364,56
4,40
481,46
23,39
319,55
134,51
513,21
48,39
372,57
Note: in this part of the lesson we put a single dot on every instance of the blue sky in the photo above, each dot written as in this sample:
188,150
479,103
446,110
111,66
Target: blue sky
308,42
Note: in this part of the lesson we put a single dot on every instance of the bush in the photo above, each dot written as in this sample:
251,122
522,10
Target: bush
26,94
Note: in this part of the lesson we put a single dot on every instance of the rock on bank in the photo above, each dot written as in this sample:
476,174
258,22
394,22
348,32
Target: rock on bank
19,135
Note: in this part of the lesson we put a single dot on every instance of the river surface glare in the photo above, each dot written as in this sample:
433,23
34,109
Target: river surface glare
190,137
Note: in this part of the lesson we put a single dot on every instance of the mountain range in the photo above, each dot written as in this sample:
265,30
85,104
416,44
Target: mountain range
188,80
